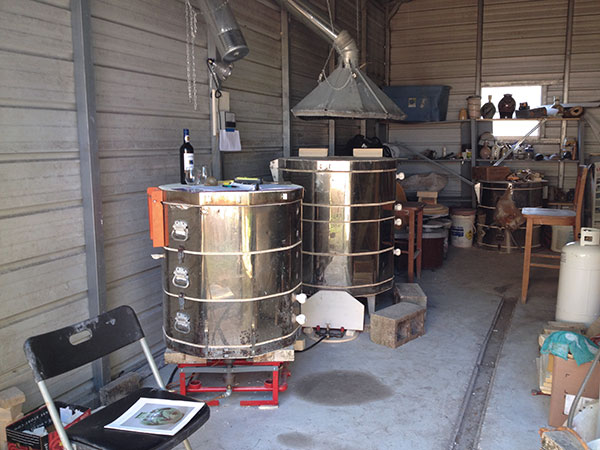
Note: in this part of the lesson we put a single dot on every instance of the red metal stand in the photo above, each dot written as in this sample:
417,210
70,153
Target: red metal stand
274,385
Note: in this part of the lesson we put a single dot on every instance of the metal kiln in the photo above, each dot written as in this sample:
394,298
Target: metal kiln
348,222
232,267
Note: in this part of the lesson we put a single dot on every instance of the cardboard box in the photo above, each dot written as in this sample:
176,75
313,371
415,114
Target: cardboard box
566,379
19,440
490,173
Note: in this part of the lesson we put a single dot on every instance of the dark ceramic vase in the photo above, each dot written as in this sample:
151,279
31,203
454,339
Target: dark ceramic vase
506,106
488,110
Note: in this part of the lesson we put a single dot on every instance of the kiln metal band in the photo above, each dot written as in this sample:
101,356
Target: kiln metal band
349,221
376,252
337,288
256,344
235,300
227,205
330,205
255,252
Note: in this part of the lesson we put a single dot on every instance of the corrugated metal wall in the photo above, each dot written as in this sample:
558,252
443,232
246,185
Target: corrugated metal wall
256,89
434,42
42,255
308,53
585,65
142,107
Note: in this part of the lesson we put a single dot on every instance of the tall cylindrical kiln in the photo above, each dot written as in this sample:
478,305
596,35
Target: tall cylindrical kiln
232,268
524,194
348,222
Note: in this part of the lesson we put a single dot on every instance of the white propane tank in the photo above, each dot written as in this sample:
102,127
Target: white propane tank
579,280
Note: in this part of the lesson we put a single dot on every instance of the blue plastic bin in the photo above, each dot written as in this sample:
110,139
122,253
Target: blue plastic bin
421,103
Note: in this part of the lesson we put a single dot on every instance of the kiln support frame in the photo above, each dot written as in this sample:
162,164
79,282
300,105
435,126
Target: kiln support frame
277,384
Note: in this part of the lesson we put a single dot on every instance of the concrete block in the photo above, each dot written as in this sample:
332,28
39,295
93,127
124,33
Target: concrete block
411,293
397,324
11,402
121,387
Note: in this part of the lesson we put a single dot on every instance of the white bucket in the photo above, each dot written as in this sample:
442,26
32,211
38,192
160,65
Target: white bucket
463,227
560,236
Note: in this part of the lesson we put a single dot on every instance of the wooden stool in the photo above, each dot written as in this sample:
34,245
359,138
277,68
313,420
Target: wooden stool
412,214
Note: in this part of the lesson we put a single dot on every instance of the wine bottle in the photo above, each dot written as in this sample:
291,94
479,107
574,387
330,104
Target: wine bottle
186,156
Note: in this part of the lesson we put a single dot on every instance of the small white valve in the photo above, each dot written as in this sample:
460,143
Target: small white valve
397,252
398,222
300,298
398,207
301,319
400,176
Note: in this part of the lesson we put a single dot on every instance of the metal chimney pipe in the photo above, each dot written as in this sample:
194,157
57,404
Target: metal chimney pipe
221,21
343,43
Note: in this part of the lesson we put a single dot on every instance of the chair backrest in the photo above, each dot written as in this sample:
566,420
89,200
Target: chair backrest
51,354
582,172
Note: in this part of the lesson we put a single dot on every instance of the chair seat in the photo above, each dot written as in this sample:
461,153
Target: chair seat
548,212
91,431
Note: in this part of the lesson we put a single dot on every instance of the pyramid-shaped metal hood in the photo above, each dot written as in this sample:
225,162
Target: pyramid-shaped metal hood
347,92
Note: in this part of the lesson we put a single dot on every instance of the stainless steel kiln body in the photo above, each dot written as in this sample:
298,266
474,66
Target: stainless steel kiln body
524,194
232,267
347,221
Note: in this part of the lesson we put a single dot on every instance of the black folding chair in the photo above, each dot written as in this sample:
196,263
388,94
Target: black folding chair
60,351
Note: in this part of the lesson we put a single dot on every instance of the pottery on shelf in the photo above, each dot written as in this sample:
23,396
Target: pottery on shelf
488,110
507,106
485,152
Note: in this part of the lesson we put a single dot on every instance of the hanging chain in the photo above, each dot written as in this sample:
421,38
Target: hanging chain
323,75
191,30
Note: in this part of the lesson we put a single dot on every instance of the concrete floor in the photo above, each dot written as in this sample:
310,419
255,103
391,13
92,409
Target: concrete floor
359,395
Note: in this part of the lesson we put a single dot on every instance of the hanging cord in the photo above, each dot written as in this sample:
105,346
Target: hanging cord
191,30
322,74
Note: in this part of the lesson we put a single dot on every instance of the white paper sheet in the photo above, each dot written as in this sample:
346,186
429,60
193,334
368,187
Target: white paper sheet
229,141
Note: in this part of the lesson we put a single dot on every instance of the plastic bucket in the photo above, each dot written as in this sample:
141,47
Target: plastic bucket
463,227
560,236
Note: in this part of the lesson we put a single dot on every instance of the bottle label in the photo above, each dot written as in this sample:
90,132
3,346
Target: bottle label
188,161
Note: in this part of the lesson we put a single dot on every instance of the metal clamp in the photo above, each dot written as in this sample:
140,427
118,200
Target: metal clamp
182,322
398,222
398,207
397,252
181,278
180,231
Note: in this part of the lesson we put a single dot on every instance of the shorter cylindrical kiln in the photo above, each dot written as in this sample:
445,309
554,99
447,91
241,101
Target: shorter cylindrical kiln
348,222
524,194
232,267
